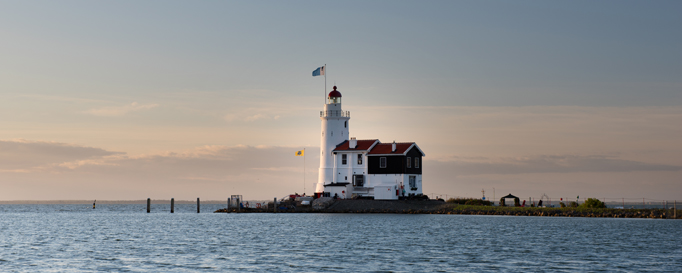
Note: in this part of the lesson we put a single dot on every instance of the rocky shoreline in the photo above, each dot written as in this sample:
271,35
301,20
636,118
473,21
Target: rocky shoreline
440,207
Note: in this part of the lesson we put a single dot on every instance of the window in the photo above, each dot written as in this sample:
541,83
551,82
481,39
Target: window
416,162
409,162
360,159
413,182
382,162
345,124
343,159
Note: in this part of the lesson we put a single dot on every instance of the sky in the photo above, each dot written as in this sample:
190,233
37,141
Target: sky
130,100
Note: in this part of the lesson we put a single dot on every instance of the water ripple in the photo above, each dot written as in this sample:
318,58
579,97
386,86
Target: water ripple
123,238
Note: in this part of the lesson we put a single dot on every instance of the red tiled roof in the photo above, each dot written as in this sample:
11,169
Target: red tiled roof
363,144
385,148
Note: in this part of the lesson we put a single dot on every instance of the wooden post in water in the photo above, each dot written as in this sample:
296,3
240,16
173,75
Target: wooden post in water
239,205
149,204
172,205
198,210
228,204
274,205
675,210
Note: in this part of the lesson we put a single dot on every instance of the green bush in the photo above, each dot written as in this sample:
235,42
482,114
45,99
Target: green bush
562,205
573,204
477,202
469,201
459,201
593,203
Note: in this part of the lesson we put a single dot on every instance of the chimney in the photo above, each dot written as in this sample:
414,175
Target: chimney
393,147
353,143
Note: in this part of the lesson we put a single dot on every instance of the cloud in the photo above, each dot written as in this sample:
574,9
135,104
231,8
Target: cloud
213,171
49,170
116,111
63,171
546,164
61,98
262,112
27,156
250,117
206,162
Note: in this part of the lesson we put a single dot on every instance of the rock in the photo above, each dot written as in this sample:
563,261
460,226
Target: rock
322,203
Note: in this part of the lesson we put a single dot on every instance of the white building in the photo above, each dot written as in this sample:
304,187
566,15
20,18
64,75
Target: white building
363,168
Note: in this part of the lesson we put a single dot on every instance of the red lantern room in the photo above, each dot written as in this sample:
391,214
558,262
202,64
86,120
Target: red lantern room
334,97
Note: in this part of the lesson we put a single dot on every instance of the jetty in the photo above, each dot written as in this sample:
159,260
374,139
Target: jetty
328,205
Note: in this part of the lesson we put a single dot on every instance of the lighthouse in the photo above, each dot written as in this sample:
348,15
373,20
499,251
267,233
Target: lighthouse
334,132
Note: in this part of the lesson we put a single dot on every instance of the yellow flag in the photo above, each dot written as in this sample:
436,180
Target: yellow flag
300,153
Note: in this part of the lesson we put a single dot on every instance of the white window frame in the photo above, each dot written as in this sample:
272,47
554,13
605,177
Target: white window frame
413,181
344,159
359,159
382,162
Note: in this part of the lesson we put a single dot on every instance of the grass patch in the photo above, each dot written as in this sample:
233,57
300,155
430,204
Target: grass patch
579,211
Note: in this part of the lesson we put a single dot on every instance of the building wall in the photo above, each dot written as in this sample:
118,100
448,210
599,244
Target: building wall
385,193
344,173
418,182
395,163
334,132
375,180
343,192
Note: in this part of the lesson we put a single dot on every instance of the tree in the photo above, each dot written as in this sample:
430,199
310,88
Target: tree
593,203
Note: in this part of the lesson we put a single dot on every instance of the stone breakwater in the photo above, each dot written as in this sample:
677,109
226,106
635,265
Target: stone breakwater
569,212
439,207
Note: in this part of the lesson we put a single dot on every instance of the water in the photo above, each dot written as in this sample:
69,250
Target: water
118,238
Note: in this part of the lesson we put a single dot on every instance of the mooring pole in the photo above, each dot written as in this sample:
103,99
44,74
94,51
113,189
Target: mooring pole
274,205
149,204
172,205
228,204
198,205
239,204
675,210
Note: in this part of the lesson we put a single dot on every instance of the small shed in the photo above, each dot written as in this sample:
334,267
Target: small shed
517,202
340,190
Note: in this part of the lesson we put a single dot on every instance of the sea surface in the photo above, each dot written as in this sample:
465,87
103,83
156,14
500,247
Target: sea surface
121,238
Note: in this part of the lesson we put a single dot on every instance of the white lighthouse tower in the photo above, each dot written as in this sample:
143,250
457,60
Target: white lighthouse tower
334,132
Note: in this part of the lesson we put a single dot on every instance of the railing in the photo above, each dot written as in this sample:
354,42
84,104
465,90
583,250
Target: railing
335,113
360,190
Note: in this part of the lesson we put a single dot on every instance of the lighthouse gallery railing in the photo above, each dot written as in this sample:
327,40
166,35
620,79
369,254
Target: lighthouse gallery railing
335,113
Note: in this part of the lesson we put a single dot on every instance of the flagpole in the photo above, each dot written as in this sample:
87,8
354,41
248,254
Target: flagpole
304,171
325,85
